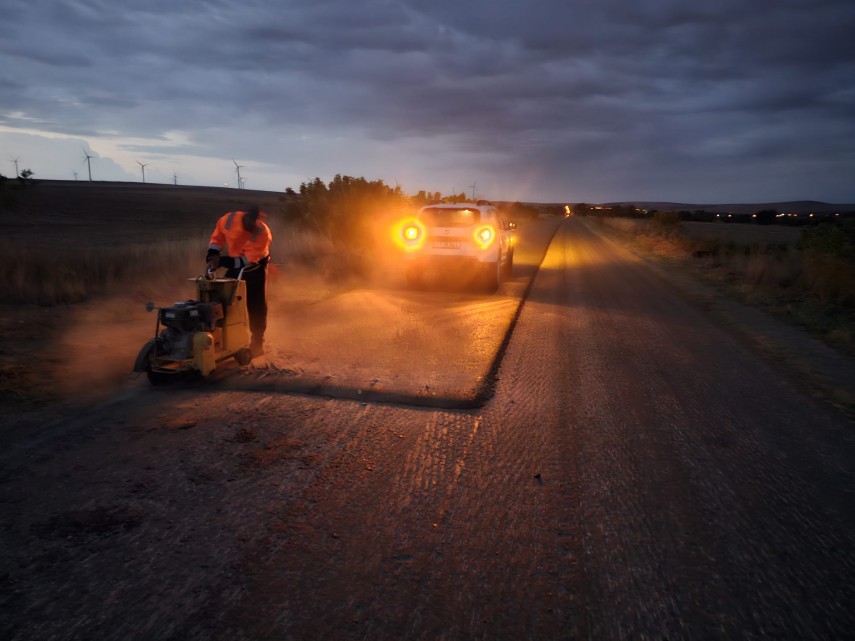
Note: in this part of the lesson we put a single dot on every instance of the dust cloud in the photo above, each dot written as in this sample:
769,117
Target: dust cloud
343,318
94,355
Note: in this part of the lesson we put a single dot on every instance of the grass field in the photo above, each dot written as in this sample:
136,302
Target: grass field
742,234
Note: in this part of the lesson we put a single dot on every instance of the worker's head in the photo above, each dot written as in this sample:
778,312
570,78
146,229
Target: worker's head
250,217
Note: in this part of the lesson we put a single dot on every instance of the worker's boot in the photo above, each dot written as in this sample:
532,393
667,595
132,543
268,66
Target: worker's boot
256,346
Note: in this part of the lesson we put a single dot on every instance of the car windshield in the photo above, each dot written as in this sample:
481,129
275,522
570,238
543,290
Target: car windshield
447,217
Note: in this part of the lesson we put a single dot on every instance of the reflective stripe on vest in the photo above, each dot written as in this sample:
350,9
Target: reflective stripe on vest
230,219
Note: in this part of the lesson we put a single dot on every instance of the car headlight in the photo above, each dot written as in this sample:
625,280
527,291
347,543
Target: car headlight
409,234
485,236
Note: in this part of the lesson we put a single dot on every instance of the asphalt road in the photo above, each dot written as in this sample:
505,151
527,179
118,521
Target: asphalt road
635,472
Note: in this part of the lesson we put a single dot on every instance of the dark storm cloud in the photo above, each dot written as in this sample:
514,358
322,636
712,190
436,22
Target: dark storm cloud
609,96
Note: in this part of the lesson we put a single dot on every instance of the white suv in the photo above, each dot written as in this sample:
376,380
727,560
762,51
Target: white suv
455,237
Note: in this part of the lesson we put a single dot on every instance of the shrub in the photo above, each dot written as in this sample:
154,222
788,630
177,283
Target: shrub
829,261
830,240
667,220
345,206
519,212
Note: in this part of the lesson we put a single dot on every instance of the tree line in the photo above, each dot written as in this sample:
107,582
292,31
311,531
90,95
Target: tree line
348,206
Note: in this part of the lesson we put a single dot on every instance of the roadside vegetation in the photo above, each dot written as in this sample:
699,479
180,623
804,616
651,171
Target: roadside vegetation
808,281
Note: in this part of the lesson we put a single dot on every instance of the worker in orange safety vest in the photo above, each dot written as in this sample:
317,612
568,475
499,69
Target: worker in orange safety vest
246,238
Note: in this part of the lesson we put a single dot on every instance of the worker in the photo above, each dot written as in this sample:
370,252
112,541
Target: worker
246,238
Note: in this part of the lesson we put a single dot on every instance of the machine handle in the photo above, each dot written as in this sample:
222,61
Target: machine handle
243,269
249,267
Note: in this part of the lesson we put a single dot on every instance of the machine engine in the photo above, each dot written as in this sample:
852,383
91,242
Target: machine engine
181,321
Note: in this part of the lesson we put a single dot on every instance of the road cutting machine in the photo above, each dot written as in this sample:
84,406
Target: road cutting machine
194,336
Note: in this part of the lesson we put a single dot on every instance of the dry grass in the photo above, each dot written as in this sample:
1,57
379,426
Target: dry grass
47,276
67,276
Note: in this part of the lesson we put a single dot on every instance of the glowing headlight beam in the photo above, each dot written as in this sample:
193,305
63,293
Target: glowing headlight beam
409,234
485,236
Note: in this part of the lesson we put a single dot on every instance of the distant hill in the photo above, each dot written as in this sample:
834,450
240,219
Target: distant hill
47,200
795,207
124,199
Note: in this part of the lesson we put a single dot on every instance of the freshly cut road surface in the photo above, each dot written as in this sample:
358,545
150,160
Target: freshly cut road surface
635,472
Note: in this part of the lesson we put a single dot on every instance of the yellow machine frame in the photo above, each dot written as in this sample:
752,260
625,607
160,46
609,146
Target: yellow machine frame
198,350
231,334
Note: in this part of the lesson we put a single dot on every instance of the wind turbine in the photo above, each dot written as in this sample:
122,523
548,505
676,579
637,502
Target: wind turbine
174,178
143,166
472,186
16,166
88,164
75,175
237,169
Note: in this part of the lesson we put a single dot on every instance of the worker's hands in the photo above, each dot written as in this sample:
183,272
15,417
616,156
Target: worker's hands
211,267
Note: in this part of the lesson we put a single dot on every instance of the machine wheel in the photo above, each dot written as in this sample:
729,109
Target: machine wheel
145,361
144,358
159,378
243,356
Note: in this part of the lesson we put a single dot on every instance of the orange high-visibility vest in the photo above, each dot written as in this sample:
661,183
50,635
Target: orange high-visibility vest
229,233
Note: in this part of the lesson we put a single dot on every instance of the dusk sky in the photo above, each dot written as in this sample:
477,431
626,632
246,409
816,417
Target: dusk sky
543,100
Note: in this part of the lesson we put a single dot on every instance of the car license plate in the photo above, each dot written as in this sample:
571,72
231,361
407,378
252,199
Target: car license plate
446,244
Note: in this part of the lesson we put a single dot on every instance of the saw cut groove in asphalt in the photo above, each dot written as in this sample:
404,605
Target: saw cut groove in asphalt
433,349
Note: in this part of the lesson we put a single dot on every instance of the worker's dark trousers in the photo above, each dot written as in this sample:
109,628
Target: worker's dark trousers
256,300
